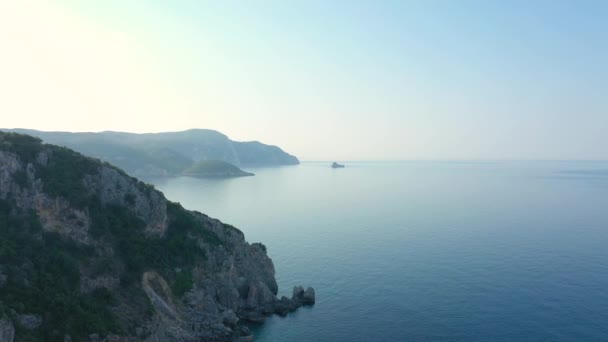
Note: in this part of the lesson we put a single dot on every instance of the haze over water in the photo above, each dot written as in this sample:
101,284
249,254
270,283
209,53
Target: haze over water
426,251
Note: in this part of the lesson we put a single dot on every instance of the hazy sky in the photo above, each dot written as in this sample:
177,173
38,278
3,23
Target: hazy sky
323,79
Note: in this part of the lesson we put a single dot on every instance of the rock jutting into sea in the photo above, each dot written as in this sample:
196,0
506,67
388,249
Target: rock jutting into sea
119,261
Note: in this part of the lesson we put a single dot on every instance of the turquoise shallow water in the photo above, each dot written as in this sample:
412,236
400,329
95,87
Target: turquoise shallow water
426,251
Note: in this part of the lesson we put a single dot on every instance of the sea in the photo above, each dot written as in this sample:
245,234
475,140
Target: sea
426,250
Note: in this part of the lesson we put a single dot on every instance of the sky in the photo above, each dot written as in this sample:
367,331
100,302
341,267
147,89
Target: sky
324,80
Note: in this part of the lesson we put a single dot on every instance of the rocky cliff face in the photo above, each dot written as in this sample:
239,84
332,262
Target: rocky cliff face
7,330
121,262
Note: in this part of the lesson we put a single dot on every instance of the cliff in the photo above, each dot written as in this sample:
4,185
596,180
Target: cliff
88,253
166,154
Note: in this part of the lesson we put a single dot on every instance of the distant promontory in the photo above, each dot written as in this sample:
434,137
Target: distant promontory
215,169
169,153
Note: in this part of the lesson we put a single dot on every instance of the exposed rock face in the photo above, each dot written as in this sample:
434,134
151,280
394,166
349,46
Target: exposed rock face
231,282
307,297
30,322
56,214
299,298
113,187
88,285
7,330
2,278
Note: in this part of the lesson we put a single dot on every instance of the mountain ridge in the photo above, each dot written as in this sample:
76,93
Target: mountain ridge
165,153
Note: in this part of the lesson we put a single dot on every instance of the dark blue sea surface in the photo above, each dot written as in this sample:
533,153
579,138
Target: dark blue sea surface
426,251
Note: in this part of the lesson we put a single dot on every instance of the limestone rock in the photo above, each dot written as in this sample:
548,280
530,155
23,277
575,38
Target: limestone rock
7,330
232,281
303,297
309,296
3,277
30,322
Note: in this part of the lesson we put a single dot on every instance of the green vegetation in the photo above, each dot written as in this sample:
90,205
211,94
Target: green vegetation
184,223
20,177
130,199
43,270
183,283
63,175
215,168
178,249
43,278
261,245
25,146
231,228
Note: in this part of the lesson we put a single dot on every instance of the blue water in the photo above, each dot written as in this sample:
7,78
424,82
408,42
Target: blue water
427,251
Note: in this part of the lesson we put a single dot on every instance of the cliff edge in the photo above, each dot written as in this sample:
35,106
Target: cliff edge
88,253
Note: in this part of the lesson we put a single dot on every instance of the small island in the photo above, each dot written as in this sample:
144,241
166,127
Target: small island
335,165
215,169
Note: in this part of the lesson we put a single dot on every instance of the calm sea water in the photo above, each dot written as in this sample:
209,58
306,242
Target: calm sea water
426,251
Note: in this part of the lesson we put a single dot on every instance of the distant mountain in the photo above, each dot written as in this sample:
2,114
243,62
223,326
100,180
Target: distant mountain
165,154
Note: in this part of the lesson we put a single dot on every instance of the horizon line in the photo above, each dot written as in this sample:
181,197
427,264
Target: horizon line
464,160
